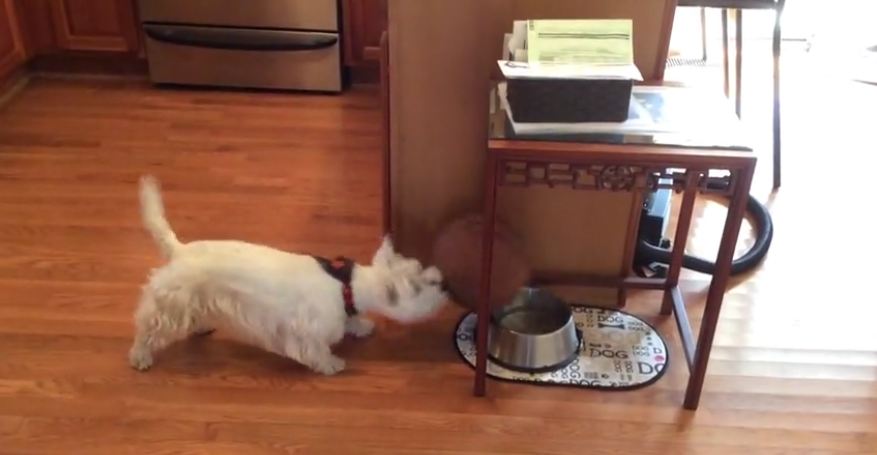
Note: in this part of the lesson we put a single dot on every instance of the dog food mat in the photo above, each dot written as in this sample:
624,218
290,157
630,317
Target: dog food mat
619,352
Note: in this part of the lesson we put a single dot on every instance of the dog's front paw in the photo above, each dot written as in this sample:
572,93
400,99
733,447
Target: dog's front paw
140,359
360,327
331,365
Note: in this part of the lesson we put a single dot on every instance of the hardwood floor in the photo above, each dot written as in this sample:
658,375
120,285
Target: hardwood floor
794,369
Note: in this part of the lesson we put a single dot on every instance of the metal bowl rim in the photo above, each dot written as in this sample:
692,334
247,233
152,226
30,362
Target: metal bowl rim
565,327
497,315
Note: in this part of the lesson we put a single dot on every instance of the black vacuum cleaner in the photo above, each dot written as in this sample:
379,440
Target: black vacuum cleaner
653,249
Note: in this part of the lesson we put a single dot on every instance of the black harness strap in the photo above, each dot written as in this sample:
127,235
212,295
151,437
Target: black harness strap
341,268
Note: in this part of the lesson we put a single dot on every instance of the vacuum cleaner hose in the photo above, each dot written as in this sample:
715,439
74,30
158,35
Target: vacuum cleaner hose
763,226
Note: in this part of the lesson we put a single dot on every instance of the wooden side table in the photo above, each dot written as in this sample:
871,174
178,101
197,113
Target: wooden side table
606,157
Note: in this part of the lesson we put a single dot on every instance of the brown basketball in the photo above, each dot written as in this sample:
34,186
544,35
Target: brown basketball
457,253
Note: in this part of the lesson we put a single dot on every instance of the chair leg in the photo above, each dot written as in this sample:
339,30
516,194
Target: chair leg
738,40
777,137
725,60
703,41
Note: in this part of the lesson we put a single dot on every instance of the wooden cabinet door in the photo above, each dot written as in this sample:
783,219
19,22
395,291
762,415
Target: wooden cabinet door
364,22
11,46
96,25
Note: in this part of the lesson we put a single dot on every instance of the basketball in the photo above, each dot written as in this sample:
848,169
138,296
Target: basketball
457,253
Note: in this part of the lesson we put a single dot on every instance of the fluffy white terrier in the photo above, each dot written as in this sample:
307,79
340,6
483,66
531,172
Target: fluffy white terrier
285,303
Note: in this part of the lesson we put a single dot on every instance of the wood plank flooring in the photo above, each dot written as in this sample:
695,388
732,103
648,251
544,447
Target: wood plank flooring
794,370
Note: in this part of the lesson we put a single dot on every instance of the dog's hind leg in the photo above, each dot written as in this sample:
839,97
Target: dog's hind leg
314,354
156,330
200,325
202,329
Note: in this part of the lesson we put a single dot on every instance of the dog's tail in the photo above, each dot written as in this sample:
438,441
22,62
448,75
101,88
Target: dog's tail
152,211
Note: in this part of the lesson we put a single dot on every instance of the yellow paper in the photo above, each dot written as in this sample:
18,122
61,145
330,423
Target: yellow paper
580,42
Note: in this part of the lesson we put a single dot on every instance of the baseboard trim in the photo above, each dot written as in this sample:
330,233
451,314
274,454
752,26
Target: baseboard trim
365,75
89,64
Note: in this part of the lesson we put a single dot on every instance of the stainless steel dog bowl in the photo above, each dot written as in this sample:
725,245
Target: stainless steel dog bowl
534,333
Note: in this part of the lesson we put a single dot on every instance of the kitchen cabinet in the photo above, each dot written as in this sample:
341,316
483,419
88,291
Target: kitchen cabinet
95,25
364,22
11,44
57,35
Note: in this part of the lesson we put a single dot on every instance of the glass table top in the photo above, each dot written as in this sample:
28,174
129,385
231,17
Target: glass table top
659,115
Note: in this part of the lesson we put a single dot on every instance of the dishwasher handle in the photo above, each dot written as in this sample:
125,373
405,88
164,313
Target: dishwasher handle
246,39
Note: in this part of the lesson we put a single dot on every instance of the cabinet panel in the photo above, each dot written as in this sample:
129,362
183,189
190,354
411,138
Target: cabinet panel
11,46
36,26
95,25
364,22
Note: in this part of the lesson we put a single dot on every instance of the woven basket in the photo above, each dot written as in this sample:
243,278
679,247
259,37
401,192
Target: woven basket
569,100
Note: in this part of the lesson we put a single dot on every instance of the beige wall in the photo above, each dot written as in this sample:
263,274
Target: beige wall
442,57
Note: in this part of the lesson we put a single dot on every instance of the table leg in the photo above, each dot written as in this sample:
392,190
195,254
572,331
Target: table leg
725,60
486,266
738,41
630,239
682,228
777,137
718,285
385,132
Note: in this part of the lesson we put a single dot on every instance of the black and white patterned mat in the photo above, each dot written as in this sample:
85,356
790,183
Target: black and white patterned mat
619,352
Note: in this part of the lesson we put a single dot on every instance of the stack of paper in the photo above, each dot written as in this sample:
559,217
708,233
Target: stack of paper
578,49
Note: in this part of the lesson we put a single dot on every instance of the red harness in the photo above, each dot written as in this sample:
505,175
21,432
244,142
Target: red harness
341,268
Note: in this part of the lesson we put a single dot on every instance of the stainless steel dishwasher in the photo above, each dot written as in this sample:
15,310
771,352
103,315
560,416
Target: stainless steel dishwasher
277,44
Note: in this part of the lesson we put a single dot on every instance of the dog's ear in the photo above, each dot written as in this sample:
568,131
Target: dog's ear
433,276
385,254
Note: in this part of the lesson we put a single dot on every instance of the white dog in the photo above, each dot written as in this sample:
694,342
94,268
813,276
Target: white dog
288,304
